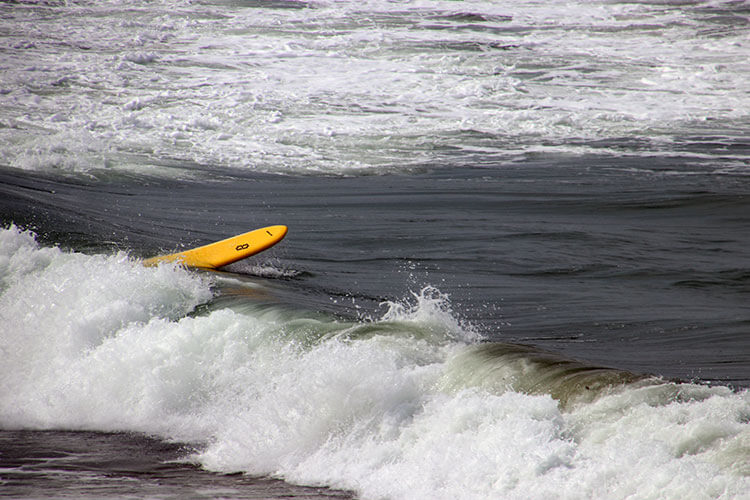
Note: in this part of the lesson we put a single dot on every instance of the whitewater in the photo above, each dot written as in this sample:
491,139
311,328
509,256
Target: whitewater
346,87
406,405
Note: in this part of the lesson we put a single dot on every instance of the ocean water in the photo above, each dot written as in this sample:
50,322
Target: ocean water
517,266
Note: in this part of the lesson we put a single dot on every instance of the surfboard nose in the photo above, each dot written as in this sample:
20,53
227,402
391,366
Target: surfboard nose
277,231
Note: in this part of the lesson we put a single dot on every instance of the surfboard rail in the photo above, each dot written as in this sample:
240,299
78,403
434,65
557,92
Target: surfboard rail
224,252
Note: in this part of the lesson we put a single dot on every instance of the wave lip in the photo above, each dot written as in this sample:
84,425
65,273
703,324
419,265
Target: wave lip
500,367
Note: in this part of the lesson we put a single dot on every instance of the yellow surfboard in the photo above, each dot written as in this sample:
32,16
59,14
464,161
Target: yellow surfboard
226,251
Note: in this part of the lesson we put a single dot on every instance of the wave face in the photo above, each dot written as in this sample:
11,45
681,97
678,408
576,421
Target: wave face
352,87
410,404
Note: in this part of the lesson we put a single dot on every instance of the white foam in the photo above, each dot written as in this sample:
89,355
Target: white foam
431,308
384,433
57,307
101,342
347,87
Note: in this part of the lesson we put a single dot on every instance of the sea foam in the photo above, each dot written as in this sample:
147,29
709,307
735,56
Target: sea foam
389,407
59,308
356,87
